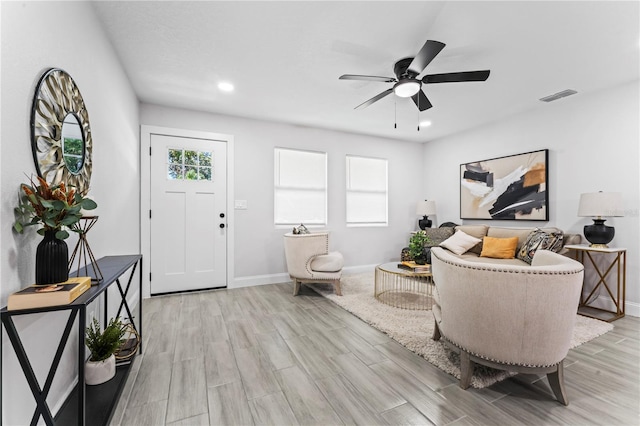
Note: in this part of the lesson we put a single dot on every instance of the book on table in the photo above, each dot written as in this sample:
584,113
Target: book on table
414,267
40,296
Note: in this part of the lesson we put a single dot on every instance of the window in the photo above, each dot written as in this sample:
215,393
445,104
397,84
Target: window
300,187
188,165
366,191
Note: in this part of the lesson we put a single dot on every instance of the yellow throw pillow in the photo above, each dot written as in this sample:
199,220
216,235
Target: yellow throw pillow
499,248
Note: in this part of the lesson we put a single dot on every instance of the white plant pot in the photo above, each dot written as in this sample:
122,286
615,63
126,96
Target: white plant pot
98,372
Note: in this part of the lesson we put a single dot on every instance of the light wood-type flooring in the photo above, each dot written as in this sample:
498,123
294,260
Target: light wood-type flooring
258,355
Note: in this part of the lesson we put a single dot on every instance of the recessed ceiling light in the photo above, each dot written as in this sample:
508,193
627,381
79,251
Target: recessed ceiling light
426,123
225,86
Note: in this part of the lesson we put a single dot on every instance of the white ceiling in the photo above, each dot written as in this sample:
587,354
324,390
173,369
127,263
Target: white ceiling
284,58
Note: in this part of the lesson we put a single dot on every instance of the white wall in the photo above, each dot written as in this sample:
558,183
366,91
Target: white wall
258,243
593,146
36,36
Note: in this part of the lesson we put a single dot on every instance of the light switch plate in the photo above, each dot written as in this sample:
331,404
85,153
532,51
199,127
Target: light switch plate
241,204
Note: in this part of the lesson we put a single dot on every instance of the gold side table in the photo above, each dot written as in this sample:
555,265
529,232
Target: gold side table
616,294
402,288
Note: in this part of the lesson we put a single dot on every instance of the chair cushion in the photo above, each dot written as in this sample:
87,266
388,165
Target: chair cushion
499,248
332,262
460,242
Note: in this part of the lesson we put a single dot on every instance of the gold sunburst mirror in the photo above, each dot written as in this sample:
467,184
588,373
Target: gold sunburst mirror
60,133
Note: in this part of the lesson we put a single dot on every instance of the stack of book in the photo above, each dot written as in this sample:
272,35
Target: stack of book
40,296
414,267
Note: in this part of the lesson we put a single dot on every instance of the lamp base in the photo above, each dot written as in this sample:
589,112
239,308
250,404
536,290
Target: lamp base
424,223
599,234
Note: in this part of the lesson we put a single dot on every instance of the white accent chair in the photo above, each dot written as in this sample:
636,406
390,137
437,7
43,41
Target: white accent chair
309,260
515,318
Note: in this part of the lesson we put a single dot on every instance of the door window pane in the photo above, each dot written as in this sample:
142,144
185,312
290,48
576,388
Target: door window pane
189,165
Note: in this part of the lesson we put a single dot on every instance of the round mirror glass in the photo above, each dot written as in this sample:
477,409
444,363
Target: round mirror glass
72,141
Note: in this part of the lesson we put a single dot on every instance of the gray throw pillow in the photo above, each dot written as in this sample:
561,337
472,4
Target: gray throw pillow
540,240
436,236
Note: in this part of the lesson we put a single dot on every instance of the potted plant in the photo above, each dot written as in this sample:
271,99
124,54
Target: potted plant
101,366
416,247
56,208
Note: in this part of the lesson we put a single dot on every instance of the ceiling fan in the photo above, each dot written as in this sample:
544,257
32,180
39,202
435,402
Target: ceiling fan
406,82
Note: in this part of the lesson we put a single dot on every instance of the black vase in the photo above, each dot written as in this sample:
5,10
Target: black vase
52,257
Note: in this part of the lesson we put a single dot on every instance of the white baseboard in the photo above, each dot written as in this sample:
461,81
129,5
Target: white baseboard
604,302
284,277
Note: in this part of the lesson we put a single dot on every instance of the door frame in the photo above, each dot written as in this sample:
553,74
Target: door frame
145,195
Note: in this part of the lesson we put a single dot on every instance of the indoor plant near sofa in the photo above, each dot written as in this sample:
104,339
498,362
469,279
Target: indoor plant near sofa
101,366
417,244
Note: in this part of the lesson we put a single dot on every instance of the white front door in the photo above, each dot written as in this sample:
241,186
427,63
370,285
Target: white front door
188,214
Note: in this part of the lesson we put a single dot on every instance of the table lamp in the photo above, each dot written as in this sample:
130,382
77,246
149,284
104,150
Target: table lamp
425,208
598,205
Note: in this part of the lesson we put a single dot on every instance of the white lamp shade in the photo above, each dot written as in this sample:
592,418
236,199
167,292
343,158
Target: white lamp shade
601,204
426,208
406,89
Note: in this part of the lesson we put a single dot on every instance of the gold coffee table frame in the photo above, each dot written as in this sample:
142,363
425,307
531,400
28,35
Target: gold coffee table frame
402,288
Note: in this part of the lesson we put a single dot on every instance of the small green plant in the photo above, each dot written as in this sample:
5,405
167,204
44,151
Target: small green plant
416,245
103,344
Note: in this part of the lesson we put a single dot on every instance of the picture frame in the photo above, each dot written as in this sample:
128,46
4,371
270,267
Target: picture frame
514,187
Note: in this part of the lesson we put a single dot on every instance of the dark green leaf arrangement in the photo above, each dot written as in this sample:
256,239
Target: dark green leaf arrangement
53,206
416,244
103,344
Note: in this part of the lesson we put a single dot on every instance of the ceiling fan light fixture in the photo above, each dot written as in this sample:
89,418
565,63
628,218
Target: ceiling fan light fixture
407,88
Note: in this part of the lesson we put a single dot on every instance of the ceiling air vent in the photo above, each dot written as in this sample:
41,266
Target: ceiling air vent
558,95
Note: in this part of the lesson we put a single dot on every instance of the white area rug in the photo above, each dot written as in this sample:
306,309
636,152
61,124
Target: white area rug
413,329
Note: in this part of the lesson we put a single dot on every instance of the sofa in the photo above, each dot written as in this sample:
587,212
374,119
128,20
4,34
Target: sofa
507,313
524,235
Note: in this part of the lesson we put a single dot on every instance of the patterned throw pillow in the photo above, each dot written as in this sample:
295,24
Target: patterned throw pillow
540,240
300,230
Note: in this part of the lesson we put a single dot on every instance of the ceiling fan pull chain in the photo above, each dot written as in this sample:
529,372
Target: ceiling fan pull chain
418,113
395,114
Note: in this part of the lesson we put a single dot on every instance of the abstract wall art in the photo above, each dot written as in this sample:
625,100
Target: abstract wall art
506,188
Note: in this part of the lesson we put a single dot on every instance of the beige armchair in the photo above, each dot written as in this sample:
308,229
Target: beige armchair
309,260
515,318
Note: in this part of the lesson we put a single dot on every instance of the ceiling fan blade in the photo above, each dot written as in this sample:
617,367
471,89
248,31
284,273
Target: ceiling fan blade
429,51
454,77
374,99
421,101
367,78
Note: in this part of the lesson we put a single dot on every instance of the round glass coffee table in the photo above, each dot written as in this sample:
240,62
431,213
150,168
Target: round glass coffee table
402,288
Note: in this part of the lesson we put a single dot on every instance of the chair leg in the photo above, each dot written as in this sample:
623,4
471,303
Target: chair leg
556,381
296,287
336,286
436,331
466,369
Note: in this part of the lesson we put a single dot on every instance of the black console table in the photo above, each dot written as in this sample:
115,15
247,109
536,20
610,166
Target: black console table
93,405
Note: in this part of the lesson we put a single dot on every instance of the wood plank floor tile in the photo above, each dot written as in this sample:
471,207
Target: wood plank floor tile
153,380
220,364
430,403
241,334
276,350
214,328
272,409
416,365
312,358
228,405
151,413
356,345
256,373
200,420
188,393
309,405
376,391
189,344
347,402
406,414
